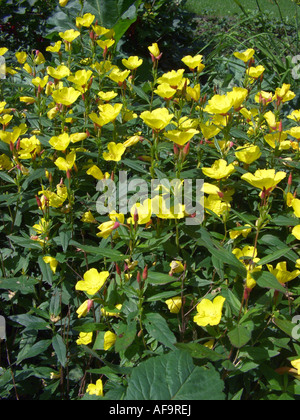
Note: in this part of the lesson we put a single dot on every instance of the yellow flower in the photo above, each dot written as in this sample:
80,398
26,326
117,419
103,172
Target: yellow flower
172,78
3,50
27,99
21,57
284,94
157,119
5,163
165,91
107,96
264,179
39,58
85,338
54,48
96,389
248,153
38,82
132,62
154,50
69,35
131,141
106,229
59,72
10,136
209,130
181,137
281,272
192,62
29,147
193,93
84,308
162,209
296,232
245,55
219,170
109,340
86,20
95,172
216,205
174,304
118,76
219,104
60,142
296,206
209,313
238,96
107,43
255,72
66,96
278,139
248,257
295,115
66,164
242,231
81,78
88,218
115,152
93,281
144,212
176,267
52,261
63,3
296,365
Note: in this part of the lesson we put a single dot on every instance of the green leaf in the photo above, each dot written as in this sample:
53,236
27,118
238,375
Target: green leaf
111,254
60,349
174,376
221,253
198,351
286,326
35,350
239,336
126,334
23,284
267,280
156,278
157,327
274,256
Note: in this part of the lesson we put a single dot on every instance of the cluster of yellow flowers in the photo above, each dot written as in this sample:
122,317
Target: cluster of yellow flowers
186,118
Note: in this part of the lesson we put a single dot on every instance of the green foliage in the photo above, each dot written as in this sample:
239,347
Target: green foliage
127,306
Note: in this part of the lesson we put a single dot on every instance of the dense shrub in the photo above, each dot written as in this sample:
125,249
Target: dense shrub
147,300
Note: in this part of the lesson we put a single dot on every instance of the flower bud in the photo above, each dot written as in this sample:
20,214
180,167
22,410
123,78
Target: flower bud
145,273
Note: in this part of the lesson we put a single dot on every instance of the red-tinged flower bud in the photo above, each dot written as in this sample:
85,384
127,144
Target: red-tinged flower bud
112,176
176,149
11,146
220,194
135,217
38,201
247,292
186,149
118,270
89,305
138,277
290,180
280,129
145,273
116,225
69,174
88,133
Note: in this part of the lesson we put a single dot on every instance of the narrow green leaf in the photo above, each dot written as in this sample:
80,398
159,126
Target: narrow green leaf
60,349
157,327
